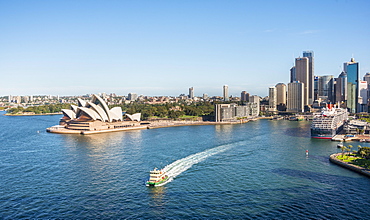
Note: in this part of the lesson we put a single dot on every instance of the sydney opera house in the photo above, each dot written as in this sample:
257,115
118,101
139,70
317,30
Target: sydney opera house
94,116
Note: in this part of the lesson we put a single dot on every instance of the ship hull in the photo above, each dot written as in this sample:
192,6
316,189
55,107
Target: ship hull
153,184
322,137
325,133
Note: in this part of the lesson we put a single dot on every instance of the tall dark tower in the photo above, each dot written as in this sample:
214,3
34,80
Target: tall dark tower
309,55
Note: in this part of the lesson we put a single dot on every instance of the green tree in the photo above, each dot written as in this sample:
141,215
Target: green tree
343,148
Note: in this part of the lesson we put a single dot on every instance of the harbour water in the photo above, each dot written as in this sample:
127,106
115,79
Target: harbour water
257,170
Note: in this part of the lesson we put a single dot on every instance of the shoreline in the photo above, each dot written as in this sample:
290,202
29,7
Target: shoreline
57,113
333,158
145,125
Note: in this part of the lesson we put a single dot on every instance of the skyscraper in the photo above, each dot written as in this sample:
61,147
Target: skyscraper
367,78
280,93
340,89
272,99
302,75
191,92
244,96
316,87
352,70
295,102
362,99
226,93
309,55
325,87
292,74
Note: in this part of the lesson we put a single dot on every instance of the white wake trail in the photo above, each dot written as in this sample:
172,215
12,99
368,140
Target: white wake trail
179,166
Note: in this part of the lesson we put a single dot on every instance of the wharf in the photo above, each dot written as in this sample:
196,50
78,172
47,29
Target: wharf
360,138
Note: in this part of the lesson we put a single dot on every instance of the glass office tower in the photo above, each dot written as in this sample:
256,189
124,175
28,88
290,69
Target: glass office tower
352,71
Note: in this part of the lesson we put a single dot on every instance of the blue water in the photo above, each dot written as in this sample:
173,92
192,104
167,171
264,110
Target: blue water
257,170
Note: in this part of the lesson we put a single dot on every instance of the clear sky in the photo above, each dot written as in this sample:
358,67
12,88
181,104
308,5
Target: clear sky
164,47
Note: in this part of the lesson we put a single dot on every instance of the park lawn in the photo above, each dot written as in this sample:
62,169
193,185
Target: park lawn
358,161
348,158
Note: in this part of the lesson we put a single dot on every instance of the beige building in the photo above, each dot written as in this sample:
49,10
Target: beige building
302,75
272,99
295,102
281,93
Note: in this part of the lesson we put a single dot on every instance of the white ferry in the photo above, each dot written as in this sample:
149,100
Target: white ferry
157,177
328,123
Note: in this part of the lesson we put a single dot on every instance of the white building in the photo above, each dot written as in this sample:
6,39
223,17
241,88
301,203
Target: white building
226,92
255,99
191,92
132,96
363,96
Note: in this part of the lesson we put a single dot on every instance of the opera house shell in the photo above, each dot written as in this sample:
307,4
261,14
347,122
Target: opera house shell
95,115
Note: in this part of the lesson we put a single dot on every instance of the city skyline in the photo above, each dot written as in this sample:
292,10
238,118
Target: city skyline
164,48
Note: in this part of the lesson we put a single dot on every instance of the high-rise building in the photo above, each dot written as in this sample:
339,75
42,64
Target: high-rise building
362,99
293,74
324,87
255,99
272,99
310,56
280,93
331,90
340,89
191,92
302,75
132,96
244,96
295,102
367,78
316,87
226,92
352,70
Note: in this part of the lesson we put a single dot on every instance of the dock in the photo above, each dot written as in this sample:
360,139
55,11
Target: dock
360,138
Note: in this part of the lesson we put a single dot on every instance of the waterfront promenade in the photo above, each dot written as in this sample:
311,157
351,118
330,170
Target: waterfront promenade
144,125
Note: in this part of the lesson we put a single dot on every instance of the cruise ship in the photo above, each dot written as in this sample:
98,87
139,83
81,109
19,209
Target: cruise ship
328,123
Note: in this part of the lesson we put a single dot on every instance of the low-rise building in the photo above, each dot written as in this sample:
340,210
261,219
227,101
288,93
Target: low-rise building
233,112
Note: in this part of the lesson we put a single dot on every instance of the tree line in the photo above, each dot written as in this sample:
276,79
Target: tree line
41,109
169,110
148,111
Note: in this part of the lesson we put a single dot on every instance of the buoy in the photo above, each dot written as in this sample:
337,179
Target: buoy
307,152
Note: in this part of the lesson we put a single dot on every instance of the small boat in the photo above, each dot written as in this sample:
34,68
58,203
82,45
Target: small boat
157,178
340,145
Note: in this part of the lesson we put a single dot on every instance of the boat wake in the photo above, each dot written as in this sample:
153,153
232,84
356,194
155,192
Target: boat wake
176,168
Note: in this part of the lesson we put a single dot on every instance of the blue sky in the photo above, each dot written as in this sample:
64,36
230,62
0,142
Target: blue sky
165,47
